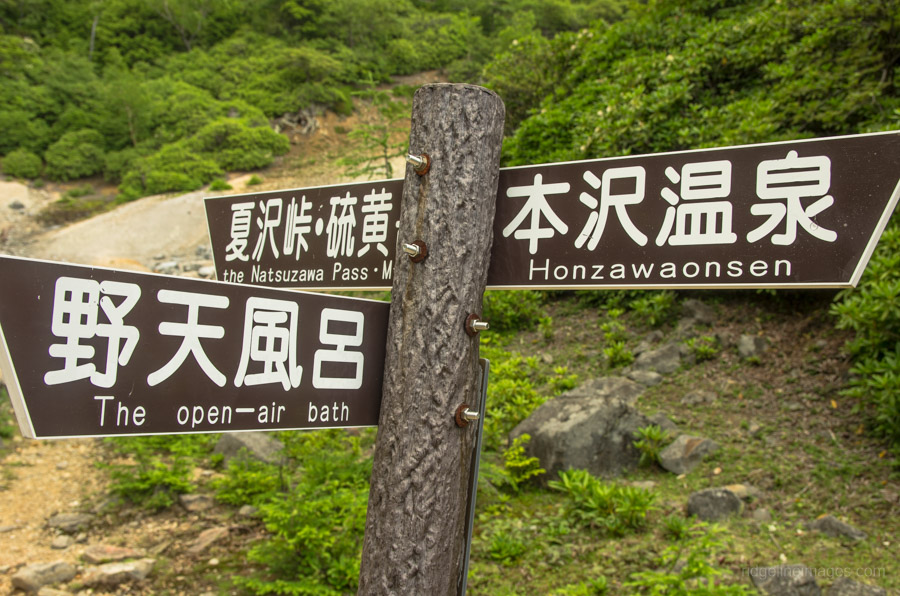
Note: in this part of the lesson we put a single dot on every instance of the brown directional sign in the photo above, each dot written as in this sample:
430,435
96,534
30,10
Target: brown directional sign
793,214
99,352
329,237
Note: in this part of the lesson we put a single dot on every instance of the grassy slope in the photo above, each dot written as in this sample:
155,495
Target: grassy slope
811,455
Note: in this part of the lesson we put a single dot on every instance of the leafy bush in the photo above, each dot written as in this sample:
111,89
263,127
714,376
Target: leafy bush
174,168
593,587
562,381
249,482
236,145
611,508
650,441
75,155
519,468
511,401
731,73
161,467
219,184
617,354
655,308
7,418
316,529
703,348
22,163
873,311
512,310
689,567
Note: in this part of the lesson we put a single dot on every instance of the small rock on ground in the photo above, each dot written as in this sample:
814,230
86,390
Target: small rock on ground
196,503
98,554
70,523
844,586
714,504
785,580
33,577
115,574
832,526
206,539
685,453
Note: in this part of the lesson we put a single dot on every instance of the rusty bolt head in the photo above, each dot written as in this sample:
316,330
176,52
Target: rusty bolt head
464,416
420,163
417,251
474,325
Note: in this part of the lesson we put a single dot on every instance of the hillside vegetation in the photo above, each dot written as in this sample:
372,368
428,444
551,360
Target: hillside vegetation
165,95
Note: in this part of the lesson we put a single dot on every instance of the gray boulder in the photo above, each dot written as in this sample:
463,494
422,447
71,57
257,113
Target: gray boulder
664,360
698,312
115,574
256,445
684,453
70,523
647,378
665,423
698,397
832,526
751,346
33,577
714,504
785,580
844,586
591,427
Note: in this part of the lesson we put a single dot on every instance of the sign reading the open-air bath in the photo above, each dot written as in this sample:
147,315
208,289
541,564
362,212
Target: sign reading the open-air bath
793,214
99,352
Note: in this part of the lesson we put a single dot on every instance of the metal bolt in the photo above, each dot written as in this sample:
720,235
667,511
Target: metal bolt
464,416
417,251
420,163
474,325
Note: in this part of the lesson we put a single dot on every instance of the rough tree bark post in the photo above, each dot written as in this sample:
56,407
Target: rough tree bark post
415,526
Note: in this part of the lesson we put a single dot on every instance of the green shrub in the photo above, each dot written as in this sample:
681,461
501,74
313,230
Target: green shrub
315,529
872,311
519,468
617,354
512,310
219,184
592,587
655,308
22,163
235,145
511,401
254,180
650,441
75,155
7,418
173,168
703,348
689,567
247,481
562,381
611,508
161,470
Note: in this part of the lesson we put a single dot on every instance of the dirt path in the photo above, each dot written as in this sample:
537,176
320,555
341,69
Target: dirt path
43,478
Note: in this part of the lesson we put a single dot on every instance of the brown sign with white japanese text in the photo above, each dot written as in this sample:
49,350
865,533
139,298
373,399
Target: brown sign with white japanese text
100,352
792,214
330,237
795,214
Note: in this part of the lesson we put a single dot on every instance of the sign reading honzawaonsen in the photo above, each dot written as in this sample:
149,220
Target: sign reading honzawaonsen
791,214
99,352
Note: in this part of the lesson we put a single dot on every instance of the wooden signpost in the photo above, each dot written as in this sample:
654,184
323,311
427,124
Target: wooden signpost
96,352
